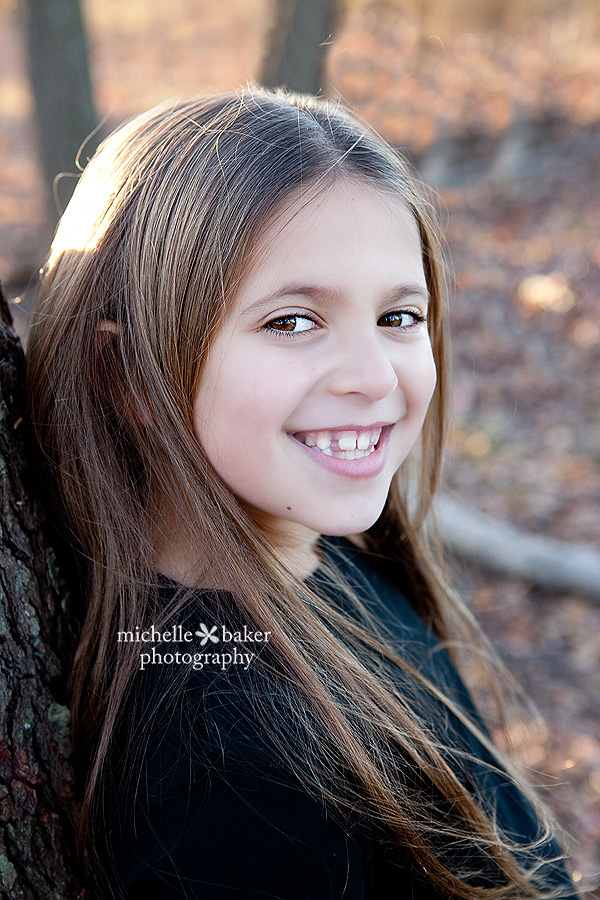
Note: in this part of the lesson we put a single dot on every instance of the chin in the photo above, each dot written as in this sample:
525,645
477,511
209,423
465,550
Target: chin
343,525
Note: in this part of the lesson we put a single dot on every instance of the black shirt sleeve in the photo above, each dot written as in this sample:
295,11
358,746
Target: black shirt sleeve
205,808
233,833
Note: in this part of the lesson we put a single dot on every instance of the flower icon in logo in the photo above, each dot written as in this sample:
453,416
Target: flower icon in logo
207,635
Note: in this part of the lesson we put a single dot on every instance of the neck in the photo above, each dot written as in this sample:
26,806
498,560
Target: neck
296,545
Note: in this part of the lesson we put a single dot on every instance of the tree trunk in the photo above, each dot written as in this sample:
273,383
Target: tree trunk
62,89
297,45
36,780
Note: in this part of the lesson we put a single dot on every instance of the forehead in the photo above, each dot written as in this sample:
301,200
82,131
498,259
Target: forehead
347,227
349,199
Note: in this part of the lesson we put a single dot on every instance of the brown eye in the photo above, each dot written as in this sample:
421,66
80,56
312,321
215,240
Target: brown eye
285,323
290,324
400,319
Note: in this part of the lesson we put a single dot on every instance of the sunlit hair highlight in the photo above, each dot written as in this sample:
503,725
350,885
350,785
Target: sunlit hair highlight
147,258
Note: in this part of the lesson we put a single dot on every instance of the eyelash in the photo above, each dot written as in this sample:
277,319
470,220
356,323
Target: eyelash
289,334
419,319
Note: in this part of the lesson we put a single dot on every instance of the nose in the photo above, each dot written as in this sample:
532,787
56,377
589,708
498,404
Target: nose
363,364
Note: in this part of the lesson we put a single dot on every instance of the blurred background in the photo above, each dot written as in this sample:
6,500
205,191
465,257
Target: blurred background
497,103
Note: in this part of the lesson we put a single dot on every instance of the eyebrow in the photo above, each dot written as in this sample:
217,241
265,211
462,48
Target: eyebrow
332,297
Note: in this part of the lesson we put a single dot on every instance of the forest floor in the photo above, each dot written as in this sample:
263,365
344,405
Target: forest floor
525,440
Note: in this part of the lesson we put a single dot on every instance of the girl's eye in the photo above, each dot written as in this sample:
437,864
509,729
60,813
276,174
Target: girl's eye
293,324
401,318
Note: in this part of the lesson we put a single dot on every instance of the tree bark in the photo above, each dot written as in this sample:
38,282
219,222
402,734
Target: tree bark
36,780
297,45
65,113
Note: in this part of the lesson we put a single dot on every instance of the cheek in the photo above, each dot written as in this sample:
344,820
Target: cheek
420,378
429,380
247,395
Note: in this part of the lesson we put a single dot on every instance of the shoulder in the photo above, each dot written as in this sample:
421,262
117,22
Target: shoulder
198,690
206,806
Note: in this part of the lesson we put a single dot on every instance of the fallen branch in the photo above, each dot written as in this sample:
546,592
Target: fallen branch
542,561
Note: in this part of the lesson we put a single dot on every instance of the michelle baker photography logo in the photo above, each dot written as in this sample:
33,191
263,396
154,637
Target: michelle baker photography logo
219,646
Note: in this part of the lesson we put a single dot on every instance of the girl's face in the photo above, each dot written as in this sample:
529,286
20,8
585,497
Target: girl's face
316,387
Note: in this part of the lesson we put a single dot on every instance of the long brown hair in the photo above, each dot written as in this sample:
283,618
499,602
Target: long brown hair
143,268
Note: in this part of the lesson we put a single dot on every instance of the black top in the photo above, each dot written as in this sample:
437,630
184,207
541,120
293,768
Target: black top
209,810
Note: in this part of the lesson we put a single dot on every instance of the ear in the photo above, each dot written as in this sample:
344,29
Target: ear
108,326
112,388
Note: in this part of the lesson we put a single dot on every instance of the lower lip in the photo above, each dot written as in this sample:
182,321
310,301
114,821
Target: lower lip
367,467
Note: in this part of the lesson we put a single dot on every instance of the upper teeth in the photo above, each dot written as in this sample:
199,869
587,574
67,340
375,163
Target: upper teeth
347,441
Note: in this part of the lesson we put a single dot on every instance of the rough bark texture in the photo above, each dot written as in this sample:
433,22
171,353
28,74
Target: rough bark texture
297,45
36,781
65,113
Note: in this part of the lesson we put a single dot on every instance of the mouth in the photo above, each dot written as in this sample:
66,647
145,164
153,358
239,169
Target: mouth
343,443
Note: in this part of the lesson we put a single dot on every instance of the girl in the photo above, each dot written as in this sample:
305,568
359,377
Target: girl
237,377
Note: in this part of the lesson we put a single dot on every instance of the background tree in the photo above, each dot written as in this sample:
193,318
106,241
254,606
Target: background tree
297,44
65,113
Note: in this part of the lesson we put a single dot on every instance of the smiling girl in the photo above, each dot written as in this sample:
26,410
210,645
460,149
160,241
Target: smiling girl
237,381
